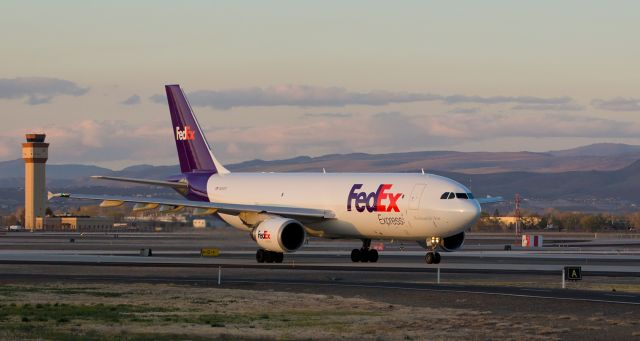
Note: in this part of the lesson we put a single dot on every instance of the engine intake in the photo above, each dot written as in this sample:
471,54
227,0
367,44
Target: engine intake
453,243
279,235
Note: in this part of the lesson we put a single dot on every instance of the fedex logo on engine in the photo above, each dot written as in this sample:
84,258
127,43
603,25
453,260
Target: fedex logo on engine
382,200
264,235
185,134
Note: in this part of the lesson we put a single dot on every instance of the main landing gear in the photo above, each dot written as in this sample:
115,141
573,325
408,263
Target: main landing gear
433,256
365,253
266,256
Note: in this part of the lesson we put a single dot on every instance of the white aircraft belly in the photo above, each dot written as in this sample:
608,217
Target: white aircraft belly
331,192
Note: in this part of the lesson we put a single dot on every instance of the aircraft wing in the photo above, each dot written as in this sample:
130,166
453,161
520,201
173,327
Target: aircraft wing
177,185
490,200
219,207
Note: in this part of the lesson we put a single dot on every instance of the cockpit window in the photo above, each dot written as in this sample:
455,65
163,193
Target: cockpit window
445,195
452,195
470,195
462,196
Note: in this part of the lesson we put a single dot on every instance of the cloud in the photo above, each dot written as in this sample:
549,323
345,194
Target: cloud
396,132
549,107
315,96
327,115
457,99
617,104
95,141
111,141
297,95
464,111
38,90
133,100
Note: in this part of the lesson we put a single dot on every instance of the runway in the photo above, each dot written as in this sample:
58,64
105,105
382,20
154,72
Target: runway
482,277
322,280
323,264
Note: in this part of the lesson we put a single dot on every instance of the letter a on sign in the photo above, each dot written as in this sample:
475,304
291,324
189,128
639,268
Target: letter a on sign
573,273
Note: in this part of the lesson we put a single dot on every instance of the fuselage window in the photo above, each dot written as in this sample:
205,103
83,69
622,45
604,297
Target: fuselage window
452,195
445,195
462,196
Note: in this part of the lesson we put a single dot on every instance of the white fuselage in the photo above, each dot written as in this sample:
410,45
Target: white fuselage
385,206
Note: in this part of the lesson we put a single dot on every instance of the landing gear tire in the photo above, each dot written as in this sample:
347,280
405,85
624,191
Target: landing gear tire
265,256
373,255
432,258
260,255
364,255
355,255
429,258
268,257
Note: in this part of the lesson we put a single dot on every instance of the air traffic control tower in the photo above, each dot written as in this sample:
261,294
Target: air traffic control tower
35,153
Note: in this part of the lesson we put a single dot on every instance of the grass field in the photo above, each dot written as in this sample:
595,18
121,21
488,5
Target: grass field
169,312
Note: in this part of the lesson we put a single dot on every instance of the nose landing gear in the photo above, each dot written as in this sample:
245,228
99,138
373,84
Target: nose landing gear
433,257
365,253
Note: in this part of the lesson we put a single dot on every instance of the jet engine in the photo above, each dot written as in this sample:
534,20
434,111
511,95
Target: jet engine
279,234
447,244
453,243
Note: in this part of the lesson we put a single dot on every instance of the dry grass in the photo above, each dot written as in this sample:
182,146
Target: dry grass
156,312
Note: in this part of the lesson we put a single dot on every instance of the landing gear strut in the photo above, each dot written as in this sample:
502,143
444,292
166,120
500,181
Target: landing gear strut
365,253
433,256
266,256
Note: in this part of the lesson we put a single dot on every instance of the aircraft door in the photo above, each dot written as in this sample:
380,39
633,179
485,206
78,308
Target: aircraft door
416,196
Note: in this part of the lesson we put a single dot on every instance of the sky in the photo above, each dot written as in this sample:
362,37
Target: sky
279,79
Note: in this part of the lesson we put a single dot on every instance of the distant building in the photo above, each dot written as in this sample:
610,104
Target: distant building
35,153
74,223
512,220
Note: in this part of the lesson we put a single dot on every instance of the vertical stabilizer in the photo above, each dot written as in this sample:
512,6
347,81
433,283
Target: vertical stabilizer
193,150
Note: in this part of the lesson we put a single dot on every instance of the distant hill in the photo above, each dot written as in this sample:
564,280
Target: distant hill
599,149
608,173
602,157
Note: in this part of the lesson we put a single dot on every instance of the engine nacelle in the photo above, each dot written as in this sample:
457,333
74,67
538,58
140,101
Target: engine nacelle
447,244
453,243
279,234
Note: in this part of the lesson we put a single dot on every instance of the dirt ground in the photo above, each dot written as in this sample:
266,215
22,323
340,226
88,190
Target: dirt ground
161,311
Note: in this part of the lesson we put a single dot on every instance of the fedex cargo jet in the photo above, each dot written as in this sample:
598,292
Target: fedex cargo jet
279,210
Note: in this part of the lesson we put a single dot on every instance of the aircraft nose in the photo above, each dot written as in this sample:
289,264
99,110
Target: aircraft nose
470,212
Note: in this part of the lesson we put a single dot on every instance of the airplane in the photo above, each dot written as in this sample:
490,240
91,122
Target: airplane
280,210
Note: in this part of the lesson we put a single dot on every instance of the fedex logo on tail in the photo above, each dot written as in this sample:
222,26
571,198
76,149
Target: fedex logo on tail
186,134
382,200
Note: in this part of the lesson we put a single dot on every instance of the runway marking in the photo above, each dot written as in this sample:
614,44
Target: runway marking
441,289
539,290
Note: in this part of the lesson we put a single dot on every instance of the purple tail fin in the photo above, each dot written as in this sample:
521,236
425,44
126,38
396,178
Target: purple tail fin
193,150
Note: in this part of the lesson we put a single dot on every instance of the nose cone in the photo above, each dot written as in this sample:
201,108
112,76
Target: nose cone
469,213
